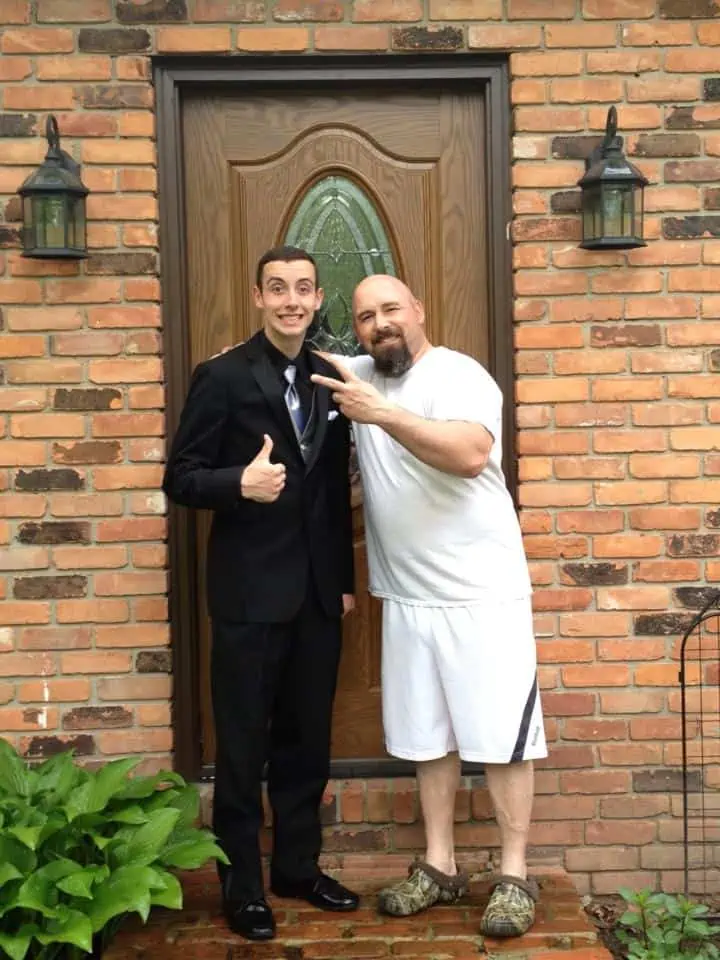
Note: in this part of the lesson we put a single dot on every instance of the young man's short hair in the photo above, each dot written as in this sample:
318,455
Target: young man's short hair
284,254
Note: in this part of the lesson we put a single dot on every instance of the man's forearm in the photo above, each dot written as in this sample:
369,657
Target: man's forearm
452,446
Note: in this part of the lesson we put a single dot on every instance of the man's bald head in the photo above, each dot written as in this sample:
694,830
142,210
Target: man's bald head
389,323
382,282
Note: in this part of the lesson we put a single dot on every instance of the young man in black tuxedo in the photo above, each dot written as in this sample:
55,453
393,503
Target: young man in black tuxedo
267,451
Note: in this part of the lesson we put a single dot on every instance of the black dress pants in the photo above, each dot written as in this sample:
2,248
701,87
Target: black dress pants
273,686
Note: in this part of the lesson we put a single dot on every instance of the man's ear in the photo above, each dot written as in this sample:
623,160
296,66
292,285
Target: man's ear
257,296
420,310
320,296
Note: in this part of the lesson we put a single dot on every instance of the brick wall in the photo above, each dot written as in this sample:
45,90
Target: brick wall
618,361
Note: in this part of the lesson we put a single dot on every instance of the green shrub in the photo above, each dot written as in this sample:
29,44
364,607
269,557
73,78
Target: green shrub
81,849
664,927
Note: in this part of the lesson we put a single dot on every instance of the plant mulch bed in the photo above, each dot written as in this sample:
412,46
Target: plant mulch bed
563,930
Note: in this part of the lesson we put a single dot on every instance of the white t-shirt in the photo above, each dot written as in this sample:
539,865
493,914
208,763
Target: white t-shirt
435,539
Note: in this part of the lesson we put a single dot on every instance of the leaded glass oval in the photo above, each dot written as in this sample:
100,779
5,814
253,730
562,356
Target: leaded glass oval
337,222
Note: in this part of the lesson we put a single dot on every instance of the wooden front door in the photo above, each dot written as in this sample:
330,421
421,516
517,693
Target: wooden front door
415,162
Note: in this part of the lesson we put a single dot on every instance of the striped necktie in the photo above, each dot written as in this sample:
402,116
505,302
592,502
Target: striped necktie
292,399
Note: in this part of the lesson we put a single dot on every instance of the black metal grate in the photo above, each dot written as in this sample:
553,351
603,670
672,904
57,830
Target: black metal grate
700,706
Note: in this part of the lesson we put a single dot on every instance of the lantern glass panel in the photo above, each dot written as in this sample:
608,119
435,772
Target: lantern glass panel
50,212
616,215
592,213
77,226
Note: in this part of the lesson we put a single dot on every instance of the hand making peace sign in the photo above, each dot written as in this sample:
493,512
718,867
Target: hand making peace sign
357,398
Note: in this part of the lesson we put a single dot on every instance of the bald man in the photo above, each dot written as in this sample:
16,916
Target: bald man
446,557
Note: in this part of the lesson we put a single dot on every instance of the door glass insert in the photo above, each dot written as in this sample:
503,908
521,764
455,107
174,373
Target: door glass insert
337,222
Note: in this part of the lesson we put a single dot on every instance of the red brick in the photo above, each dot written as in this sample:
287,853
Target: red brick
623,61
33,40
90,663
73,11
228,10
672,465
671,571
134,741
132,687
630,833
664,518
633,598
695,491
15,68
631,491
590,521
91,611
47,425
351,38
27,664
88,504
193,39
15,11
618,9
133,635
397,11
504,37
595,781
632,701
546,64
74,68
59,690
581,35
634,649
541,9
89,557
657,34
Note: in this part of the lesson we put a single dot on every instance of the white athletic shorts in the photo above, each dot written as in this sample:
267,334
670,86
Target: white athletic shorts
461,679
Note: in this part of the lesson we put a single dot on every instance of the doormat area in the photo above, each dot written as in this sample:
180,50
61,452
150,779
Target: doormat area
562,931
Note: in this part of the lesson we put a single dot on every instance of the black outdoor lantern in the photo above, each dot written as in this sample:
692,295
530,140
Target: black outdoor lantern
54,225
612,195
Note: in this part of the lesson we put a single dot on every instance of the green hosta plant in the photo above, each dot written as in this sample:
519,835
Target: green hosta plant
659,926
81,849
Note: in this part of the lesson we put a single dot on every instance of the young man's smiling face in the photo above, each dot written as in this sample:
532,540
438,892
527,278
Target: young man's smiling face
288,297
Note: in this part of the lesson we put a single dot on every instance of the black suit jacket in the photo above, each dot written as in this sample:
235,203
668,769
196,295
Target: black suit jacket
261,555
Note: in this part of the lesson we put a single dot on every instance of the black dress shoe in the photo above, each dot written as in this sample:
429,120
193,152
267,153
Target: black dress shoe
252,919
320,891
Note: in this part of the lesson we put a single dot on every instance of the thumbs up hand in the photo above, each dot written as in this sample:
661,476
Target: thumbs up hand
261,480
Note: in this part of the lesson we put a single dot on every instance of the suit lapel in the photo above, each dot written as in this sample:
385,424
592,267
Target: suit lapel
269,382
322,399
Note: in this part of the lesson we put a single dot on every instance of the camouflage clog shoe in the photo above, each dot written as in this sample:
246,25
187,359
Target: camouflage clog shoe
424,887
511,909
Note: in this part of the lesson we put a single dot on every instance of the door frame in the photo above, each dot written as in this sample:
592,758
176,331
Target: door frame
175,76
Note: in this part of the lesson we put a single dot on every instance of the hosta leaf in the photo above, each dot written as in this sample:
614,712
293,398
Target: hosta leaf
16,945
190,854
8,872
139,788
127,890
14,775
71,926
80,884
187,801
58,776
16,853
171,896
147,841
95,794
27,834
40,890
132,814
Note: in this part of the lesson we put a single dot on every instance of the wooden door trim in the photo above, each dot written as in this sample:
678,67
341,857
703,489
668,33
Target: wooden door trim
175,76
